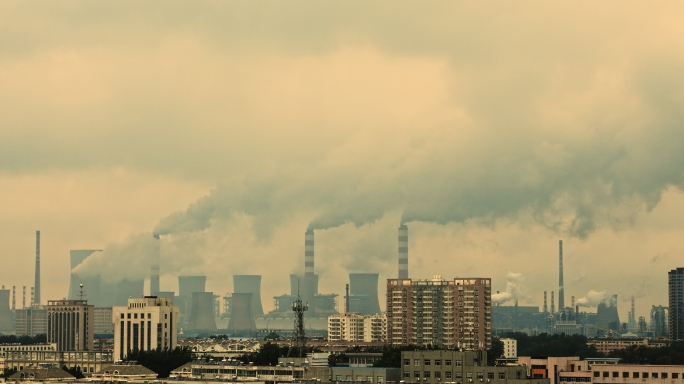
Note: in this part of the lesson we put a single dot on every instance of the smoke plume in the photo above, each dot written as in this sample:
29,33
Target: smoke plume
592,299
514,289
128,259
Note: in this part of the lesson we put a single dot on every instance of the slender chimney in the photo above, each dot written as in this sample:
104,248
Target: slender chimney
346,300
309,254
633,313
561,295
154,270
14,297
23,298
553,306
403,251
33,296
36,284
572,301
546,308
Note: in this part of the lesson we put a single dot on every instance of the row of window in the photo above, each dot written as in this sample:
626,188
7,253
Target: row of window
448,375
380,379
636,375
416,362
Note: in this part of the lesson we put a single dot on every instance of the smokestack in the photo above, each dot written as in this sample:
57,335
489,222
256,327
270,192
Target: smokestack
346,300
546,309
154,270
309,254
561,295
553,306
33,296
572,301
14,297
36,284
23,298
403,251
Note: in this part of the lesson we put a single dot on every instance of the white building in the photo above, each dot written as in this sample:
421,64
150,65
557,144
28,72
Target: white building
357,327
510,348
145,324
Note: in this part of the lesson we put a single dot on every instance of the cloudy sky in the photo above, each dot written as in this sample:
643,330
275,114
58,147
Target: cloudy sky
493,130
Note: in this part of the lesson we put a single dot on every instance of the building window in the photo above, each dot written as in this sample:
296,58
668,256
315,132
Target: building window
380,379
459,375
407,361
480,375
447,375
426,362
469,375
490,375
458,363
502,376
615,374
654,375
438,362
635,375
407,374
426,374
416,362
338,377
597,374
438,375
663,375
644,375
447,362
675,375
625,375
416,374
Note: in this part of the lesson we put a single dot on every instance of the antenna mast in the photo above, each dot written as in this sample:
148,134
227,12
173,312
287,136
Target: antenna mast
299,338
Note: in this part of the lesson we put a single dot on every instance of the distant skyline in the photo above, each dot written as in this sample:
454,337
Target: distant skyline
492,130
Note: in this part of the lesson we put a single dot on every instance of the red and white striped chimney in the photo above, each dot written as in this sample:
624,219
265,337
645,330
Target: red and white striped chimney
309,254
403,251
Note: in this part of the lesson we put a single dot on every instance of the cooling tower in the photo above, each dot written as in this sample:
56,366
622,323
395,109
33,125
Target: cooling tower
241,317
187,285
6,323
36,285
154,269
403,251
91,284
165,294
202,312
363,289
607,314
250,284
125,289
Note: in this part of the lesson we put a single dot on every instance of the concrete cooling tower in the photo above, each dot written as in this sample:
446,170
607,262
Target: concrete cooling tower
202,312
363,293
241,317
6,323
607,314
250,284
91,284
187,285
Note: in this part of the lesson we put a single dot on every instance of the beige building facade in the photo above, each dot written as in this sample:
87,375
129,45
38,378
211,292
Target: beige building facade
145,324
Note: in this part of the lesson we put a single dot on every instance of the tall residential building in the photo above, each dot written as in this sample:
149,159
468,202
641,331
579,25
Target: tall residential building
70,324
145,324
357,327
103,321
438,312
675,280
31,321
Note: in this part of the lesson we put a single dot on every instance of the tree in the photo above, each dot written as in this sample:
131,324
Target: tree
391,356
553,345
9,372
162,362
74,371
496,352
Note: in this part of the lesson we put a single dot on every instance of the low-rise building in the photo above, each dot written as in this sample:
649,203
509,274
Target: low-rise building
42,374
357,327
88,361
124,372
465,367
610,345
510,347
373,375
363,359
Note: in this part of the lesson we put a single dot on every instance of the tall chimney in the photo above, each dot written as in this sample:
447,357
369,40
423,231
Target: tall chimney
572,301
546,308
36,284
23,298
309,254
14,297
403,251
154,270
33,296
561,296
553,306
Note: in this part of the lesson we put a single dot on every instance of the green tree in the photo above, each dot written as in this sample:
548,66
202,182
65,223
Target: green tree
162,362
553,345
9,372
496,352
74,371
391,356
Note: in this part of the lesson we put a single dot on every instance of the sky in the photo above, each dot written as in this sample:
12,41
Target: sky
492,130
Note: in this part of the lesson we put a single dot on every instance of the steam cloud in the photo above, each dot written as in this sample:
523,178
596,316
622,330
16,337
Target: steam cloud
592,299
514,289
129,259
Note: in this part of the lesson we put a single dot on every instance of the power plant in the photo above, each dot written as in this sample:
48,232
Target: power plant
363,293
242,318
250,284
202,312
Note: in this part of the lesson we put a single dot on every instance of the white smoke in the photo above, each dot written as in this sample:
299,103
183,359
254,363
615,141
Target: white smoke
514,289
130,259
592,299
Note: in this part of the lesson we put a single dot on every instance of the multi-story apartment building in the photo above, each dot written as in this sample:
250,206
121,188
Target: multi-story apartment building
70,325
448,313
103,321
30,321
357,327
510,347
145,324
675,279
